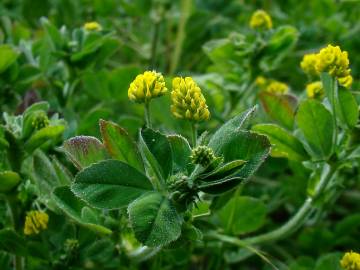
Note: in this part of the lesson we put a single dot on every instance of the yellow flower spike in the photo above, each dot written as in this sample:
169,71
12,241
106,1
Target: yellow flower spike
35,222
92,26
260,81
260,19
146,86
308,64
335,62
277,87
187,100
315,90
350,261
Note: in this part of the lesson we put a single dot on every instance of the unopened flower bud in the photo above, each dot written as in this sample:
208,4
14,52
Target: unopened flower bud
202,155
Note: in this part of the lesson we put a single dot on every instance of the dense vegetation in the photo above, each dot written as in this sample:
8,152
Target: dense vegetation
185,134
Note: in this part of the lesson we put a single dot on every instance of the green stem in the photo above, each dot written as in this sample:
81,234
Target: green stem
143,253
293,223
193,134
185,14
14,214
147,114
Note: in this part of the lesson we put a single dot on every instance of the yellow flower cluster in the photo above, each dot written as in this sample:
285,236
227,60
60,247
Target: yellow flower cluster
92,26
332,60
271,86
350,261
146,86
35,222
308,64
187,100
260,19
315,90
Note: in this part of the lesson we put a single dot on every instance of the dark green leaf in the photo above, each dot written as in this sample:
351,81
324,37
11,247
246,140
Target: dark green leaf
74,207
11,242
157,150
154,220
181,153
110,184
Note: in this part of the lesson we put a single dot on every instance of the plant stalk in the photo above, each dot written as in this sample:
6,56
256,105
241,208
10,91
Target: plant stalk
193,134
147,114
14,214
293,223
185,14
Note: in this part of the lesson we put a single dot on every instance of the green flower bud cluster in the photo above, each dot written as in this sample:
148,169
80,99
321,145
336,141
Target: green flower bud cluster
40,120
202,155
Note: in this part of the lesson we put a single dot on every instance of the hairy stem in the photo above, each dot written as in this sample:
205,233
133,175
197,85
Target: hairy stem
193,134
147,114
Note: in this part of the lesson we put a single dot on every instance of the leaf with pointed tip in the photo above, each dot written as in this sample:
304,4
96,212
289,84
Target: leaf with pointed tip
154,220
280,108
237,123
181,153
110,184
84,151
316,124
157,150
223,171
120,145
76,209
284,144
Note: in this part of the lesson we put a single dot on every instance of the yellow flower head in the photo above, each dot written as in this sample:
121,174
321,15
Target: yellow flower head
308,64
92,26
187,100
351,261
336,62
260,81
260,19
315,90
35,222
277,87
146,86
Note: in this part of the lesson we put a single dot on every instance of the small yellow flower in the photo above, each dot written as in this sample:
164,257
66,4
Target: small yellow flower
92,26
346,81
315,90
260,19
336,62
187,100
260,81
146,86
350,261
277,87
35,222
308,64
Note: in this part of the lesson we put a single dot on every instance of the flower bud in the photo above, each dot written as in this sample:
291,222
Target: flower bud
187,100
308,64
202,155
146,86
260,19
350,261
276,87
35,222
40,120
92,26
315,90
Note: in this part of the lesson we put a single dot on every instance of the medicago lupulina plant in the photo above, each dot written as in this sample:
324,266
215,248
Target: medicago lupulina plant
129,198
